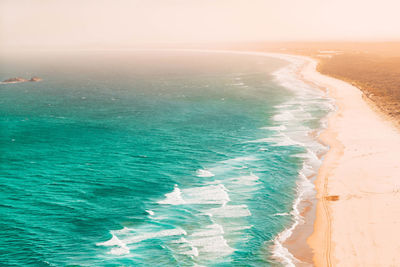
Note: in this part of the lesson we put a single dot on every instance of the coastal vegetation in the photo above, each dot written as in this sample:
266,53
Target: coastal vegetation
377,76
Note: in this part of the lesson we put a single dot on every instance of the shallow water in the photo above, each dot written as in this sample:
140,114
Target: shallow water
153,158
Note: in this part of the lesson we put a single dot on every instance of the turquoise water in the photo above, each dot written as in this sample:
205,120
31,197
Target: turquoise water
152,158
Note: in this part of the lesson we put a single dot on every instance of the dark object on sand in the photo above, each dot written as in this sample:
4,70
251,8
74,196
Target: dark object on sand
332,198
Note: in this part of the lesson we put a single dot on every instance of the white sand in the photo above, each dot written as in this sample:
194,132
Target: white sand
362,228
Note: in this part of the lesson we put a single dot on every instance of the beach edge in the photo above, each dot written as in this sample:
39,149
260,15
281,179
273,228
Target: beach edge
342,187
320,239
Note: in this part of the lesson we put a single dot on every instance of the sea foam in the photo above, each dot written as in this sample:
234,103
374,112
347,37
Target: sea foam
204,173
294,114
211,194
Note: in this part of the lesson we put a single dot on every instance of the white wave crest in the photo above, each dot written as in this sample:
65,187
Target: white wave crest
211,194
150,212
173,198
204,173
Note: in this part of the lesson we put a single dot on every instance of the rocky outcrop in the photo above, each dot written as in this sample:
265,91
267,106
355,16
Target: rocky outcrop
15,80
22,80
35,79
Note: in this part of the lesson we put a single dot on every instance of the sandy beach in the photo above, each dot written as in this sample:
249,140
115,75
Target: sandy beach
358,184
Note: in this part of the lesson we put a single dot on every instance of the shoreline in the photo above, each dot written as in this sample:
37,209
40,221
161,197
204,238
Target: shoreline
298,252
290,246
357,195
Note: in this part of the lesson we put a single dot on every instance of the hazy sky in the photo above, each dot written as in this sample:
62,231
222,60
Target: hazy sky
113,23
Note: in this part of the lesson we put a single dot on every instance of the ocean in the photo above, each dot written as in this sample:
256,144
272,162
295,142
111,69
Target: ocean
154,158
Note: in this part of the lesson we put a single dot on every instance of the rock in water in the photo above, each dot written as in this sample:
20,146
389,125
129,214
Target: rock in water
15,80
22,80
35,79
